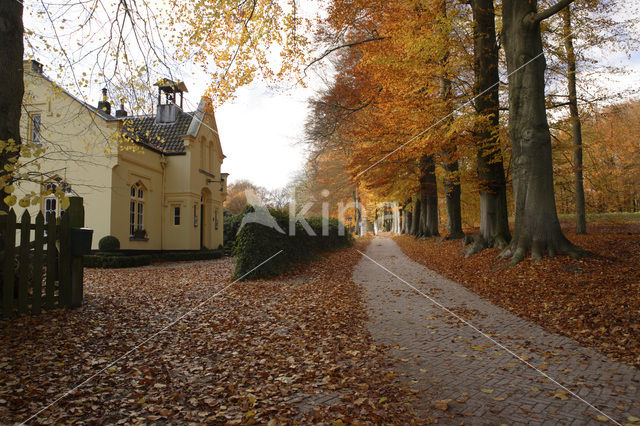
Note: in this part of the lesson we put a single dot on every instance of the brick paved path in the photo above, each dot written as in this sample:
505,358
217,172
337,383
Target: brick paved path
442,358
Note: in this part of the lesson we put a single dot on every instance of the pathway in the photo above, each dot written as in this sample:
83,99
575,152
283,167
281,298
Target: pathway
443,359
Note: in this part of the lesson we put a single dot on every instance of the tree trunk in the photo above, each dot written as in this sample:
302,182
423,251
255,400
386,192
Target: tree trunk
576,125
12,84
406,220
537,227
494,222
451,187
415,226
422,219
452,196
451,178
429,197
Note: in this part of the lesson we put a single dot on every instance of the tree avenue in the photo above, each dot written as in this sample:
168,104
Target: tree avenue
429,94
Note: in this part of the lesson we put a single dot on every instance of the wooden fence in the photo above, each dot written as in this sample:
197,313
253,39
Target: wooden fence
33,278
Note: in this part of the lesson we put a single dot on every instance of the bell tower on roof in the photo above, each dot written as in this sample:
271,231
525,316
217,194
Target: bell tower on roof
168,93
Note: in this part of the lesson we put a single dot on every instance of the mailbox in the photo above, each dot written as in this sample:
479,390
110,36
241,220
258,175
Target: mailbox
81,241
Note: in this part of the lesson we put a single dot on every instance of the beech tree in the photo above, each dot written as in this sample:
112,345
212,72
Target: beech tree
576,131
449,154
494,224
236,41
537,228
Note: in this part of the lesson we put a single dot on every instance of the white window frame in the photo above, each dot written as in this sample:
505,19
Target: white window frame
136,208
52,199
176,208
195,215
36,129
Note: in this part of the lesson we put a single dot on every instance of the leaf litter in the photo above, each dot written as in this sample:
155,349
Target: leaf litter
288,350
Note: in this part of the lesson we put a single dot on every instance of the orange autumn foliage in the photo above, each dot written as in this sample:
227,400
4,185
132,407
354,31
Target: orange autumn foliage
611,161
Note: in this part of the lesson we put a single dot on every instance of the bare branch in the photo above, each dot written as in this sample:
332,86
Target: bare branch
342,46
550,11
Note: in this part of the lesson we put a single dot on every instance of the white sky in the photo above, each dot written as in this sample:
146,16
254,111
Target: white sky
261,130
261,134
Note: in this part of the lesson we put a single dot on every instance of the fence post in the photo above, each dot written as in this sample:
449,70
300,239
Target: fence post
38,260
8,267
76,220
52,263
64,274
24,262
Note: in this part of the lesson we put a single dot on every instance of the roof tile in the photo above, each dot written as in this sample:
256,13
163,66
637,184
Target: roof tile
163,137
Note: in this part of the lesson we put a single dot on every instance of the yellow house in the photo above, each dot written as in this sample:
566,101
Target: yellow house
154,181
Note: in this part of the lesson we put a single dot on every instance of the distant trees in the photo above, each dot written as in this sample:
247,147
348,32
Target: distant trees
236,198
237,201
570,36
611,160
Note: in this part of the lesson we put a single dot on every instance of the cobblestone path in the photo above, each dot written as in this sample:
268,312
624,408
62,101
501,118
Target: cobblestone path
443,359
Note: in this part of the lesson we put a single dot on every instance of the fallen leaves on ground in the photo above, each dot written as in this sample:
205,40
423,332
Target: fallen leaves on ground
286,350
442,404
594,300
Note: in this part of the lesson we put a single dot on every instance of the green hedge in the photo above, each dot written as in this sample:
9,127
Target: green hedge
255,243
178,256
118,261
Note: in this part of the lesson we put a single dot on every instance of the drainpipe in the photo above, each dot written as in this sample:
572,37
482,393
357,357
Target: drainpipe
163,164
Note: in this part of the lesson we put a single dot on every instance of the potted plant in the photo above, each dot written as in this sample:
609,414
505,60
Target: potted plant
139,234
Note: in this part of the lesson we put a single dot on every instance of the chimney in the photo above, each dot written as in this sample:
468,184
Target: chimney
104,104
121,112
36,66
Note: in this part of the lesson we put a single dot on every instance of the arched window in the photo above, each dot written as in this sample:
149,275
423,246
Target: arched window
51,202
136,209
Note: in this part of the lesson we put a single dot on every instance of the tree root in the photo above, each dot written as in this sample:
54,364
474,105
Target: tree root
454,236
480,243
517,251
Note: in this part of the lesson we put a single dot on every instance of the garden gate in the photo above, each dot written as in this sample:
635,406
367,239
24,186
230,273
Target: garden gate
33,278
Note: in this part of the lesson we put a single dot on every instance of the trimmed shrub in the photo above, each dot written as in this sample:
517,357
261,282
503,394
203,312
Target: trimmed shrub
178,256
108,262
255,243
109,244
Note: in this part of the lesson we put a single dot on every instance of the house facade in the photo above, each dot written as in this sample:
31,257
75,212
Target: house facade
154,181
